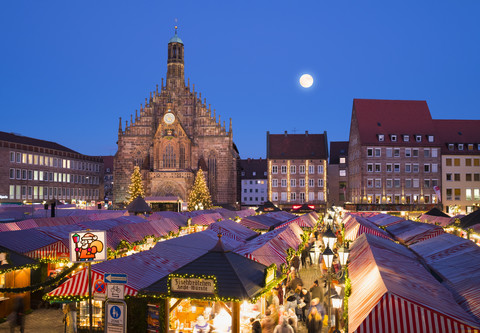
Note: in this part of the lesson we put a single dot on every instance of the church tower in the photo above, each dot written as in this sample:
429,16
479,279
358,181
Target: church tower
175,133
175,63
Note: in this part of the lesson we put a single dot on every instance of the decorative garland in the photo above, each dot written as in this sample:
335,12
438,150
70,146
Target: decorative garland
17,268
41,285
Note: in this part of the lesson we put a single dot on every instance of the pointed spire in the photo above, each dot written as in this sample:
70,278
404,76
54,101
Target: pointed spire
141,107
230,130
131,120
214,115
120,125
126,125
162,83
157,88
136,115
146,102
219,121
224,125
188,80
193,87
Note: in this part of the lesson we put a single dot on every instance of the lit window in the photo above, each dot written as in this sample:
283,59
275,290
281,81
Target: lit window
406,138
451,146
430,138
418,138
460,146
393,137
274,169
343,173
381,137
342,160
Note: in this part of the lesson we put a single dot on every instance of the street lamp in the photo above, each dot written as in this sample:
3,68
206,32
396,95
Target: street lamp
336,304
315,253
330,274
329,238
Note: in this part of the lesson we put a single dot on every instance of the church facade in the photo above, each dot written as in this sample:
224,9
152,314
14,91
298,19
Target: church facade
174,134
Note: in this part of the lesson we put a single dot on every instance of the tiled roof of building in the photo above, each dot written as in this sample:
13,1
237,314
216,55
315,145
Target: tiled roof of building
338,149
297,146
455,131
396,117
250,165
10,137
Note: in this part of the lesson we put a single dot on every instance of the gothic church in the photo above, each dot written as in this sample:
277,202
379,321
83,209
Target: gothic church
174,135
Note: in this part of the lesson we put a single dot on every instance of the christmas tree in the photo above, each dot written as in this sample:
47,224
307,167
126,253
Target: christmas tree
199,197
135,188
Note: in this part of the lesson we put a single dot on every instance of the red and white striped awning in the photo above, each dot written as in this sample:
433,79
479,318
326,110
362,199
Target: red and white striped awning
357,226
51,251
391,290
395,314
77,285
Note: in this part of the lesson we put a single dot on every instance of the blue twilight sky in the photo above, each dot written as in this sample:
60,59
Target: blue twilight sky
70,69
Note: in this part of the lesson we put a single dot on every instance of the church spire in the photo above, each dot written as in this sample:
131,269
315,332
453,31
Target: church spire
175,64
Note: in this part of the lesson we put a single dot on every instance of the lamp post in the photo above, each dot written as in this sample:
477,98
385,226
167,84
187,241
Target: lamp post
315,254
328,256
337,304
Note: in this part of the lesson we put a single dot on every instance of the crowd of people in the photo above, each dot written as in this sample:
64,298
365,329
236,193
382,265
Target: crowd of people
293,306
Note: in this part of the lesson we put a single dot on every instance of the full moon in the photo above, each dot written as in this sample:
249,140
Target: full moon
306,80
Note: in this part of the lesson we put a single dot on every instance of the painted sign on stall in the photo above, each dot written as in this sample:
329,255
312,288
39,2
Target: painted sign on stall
88,246
192,285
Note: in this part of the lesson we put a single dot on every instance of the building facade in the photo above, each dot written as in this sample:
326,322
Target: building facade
254,179
174,134
34,171
297,169
394,155
337,183
108,179
460,192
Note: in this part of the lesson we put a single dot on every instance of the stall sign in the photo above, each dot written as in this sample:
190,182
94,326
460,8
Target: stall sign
192,285
269,274
88,245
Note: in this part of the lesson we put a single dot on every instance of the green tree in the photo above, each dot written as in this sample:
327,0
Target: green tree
199,197
135,188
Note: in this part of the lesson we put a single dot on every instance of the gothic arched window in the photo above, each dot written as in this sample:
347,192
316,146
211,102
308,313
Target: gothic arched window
169,158
182,157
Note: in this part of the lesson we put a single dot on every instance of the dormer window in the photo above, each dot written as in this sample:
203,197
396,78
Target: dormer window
393,137
460,146
406,138
430,138
418,138
451,146
381,137
254,173
470,146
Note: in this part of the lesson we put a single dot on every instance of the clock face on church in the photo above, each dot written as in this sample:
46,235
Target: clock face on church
169,118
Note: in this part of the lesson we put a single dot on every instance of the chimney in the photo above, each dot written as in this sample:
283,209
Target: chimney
285,133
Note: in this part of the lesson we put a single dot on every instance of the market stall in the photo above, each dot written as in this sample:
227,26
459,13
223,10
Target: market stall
409,232
356,226
393,292
220,290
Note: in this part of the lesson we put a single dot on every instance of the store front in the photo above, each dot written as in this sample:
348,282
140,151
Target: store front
220,290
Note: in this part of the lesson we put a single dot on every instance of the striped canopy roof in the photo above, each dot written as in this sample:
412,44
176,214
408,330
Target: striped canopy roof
146,267
409,232
393,292
356,225
457,261
232,229
271,247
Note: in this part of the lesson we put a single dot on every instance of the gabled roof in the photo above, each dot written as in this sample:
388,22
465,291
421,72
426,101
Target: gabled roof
338,149
139,205
470,220
236,275
250,165
10,137
458,131
14,260
297,146
398,117
436,212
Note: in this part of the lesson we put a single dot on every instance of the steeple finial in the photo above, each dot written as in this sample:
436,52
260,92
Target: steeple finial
120,125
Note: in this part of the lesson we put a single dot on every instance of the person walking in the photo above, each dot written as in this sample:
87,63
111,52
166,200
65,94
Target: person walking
284,327
314,321
268,325
17,316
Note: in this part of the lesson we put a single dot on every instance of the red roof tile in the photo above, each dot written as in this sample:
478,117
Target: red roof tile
297,146
458,131
393,117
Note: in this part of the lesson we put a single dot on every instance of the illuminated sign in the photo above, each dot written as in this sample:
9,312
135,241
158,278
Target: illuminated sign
88,246
3,196
192,285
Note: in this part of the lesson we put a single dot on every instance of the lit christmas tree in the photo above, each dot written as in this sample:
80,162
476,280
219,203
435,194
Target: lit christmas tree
199,197
135,188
